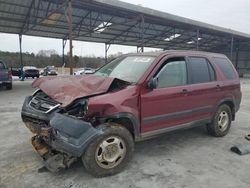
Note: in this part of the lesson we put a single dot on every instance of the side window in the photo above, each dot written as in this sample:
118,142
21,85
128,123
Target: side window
226,67
212,72
200,70
172,73
2,65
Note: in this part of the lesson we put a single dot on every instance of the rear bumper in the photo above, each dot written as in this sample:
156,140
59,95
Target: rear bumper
61,133
5,82
31,74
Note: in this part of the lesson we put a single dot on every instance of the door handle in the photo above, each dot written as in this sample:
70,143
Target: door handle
185,91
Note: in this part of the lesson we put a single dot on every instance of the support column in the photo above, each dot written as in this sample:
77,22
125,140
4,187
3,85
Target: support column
237,58
140,49
197,39
70,36
21,58
64,41
142,34
231,49
21,54
107,46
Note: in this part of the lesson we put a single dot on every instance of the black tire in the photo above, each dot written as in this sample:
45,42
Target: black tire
215,128
9,86
90,158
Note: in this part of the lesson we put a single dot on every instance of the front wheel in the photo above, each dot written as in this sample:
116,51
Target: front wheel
221,122
110,152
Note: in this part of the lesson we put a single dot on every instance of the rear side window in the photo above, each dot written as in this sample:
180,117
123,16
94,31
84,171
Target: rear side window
200,70
226,67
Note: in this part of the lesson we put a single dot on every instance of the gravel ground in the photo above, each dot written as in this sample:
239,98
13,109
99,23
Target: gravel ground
188,158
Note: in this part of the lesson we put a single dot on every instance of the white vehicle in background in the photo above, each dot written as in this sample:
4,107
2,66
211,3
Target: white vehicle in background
49,71
84,71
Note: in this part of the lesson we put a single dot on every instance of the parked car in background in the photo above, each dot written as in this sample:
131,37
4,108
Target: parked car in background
5,76
84,71
98,117
16,72
49,71
30,71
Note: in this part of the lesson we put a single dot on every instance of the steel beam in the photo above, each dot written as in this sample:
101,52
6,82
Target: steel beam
64,41
197,39
69,15
140,49
21,58
237,57
27,17
142,32
231,48
107,46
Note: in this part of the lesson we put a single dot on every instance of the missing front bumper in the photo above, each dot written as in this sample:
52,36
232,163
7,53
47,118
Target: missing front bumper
53,160
59,139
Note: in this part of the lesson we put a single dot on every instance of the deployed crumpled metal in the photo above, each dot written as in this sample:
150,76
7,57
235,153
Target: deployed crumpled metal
66,89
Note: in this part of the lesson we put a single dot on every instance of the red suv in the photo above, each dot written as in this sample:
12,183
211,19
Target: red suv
137,96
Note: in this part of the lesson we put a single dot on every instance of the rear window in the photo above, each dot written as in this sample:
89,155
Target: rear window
226,67
200,70
2,66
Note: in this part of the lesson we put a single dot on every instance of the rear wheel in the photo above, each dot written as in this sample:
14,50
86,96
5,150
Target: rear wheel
9,86
110,152
221,122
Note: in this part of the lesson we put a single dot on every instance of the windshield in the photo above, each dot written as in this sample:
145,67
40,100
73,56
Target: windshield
130,68
51,68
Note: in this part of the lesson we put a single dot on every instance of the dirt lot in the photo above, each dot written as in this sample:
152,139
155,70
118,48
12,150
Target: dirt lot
184,159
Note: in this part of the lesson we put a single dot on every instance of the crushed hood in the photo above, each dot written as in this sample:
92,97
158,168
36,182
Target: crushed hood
66,89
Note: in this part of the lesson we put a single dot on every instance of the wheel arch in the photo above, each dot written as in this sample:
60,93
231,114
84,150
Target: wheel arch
231,104
128,120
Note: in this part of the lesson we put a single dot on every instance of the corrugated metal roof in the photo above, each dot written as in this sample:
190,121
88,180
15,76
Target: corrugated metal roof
113,22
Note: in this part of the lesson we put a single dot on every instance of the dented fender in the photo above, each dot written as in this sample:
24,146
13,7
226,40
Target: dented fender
72,135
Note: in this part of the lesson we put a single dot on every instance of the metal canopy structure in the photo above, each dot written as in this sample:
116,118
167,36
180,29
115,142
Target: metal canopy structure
115,22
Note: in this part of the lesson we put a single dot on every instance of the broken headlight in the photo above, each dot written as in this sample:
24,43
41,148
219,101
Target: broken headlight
78,109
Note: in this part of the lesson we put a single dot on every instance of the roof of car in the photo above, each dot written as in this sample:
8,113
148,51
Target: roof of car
180,52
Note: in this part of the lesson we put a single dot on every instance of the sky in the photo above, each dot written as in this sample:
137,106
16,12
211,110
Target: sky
233,14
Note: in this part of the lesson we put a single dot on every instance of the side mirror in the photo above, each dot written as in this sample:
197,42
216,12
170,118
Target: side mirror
152,84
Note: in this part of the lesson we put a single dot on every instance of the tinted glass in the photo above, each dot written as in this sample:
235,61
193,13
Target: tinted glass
212,72
173,73
199,70
226,67
130,68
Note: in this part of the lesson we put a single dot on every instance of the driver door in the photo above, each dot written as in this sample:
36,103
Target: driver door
168,104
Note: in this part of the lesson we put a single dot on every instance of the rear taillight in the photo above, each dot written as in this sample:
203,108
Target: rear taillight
9,75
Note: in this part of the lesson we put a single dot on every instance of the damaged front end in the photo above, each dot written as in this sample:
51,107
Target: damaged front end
60,134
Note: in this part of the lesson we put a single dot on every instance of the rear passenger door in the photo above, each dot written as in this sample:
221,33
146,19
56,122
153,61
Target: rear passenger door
205,89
